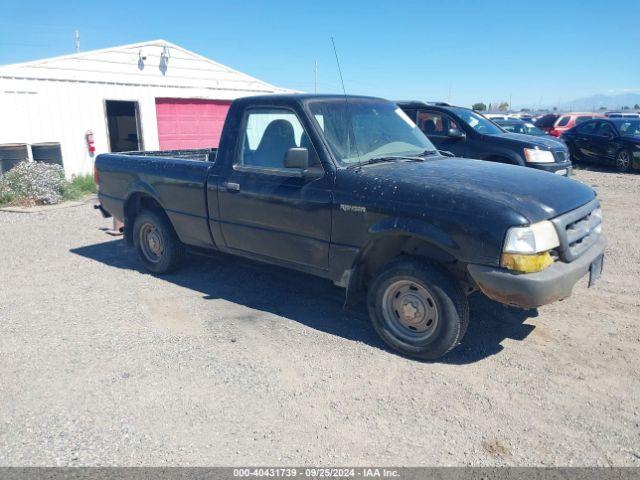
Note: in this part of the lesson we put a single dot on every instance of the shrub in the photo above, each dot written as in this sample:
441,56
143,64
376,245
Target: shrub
80,186
33,183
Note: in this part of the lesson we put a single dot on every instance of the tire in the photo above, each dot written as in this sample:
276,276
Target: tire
434,315
156,242
624,158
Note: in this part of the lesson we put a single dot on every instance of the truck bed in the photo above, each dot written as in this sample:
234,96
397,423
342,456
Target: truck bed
177,180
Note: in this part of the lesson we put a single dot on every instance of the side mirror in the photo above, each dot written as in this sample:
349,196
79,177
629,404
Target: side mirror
456,134
297,158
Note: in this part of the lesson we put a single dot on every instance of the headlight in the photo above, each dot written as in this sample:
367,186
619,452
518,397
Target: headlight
536,238
533,155
526,249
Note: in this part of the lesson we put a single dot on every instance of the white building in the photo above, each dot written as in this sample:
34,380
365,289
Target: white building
152,95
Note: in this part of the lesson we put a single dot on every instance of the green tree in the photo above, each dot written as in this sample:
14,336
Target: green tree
480,107
603,109
636,107
503,107
625,108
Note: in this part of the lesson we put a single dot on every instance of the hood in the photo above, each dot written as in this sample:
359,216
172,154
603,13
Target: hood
496,191
546,142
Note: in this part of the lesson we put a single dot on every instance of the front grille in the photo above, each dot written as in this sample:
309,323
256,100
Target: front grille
577,230
560,156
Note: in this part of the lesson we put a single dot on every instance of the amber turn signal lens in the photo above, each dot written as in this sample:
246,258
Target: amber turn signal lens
526,263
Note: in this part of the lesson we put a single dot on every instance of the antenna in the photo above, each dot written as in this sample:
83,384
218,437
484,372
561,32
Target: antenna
335,52
77,40
346,103
315,77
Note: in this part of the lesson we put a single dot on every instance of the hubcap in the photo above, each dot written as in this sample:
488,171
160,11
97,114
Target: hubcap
409,310
151,242
623,161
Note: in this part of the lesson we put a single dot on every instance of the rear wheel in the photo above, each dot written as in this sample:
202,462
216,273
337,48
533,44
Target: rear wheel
623,161
156,242
417,308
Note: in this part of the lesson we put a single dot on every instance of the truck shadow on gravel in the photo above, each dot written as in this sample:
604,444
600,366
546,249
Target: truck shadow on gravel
313,302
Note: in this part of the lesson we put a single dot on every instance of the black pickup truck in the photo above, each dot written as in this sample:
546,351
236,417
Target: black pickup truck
349,189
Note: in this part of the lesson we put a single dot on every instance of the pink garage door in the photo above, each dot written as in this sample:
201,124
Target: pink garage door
190,123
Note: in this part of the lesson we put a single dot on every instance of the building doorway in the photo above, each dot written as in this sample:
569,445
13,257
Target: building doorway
123,122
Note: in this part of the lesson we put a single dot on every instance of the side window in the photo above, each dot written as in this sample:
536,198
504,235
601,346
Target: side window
583,119
604,130
587,128
435,123
563,121
268,134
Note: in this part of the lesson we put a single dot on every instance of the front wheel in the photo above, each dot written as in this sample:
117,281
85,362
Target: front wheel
623,161
156,242
417,308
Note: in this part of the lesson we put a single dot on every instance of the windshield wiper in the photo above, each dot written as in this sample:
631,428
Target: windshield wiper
428,153
374,160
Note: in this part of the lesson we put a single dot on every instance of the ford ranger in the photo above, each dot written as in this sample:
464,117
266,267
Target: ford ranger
349,189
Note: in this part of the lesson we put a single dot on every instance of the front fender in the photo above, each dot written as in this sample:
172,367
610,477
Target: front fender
425,231
420,238
513,157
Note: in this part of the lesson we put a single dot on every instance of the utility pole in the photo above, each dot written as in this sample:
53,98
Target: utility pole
315,77
77,40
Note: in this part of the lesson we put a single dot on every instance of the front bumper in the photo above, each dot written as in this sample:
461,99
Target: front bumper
553,167
531,290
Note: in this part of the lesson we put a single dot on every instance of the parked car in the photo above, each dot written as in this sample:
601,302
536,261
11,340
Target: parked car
513,125
622,114
496,116
546,122
525,117
569,120
349,189
468,134
610,141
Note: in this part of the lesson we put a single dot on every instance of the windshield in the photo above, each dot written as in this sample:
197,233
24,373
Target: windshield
629,128
478,122
363,129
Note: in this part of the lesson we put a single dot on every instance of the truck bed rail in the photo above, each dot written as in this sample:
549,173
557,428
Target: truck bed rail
201,154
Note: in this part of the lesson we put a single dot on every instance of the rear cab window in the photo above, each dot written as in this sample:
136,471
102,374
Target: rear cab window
563,121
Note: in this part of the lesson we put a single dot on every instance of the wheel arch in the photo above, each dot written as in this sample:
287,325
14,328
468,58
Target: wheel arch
393,238
139,199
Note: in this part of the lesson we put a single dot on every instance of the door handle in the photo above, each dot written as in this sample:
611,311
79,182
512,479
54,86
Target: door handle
232,187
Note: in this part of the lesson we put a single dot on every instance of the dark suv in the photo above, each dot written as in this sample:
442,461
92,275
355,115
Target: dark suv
466,133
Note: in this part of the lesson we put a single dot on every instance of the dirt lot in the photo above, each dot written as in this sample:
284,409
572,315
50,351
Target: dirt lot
233,362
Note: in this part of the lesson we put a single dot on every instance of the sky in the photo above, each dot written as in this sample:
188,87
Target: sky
534,52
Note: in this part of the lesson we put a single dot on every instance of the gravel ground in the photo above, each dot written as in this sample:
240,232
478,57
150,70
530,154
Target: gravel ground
230,362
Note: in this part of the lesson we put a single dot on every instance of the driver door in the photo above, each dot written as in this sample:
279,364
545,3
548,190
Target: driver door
435,125
271,211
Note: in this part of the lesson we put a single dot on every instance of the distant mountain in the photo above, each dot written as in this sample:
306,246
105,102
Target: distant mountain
610,102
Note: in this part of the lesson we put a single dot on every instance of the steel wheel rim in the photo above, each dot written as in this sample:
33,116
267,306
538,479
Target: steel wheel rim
409,310
623,160
151,243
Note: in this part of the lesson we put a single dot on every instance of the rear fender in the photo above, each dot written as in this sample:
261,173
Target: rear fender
132,205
